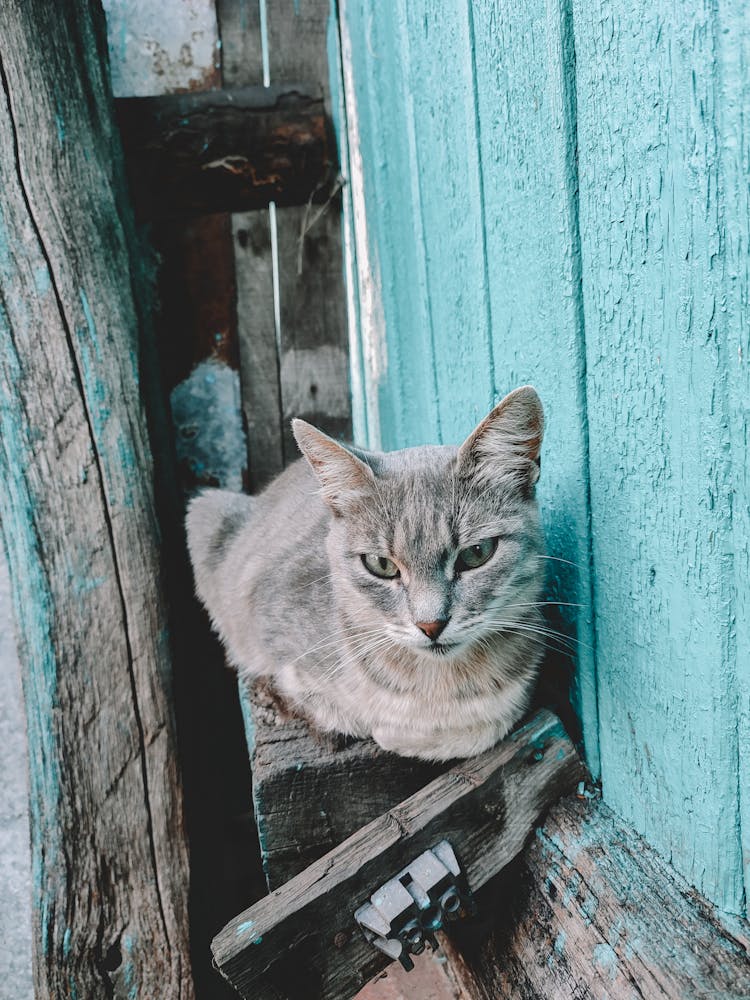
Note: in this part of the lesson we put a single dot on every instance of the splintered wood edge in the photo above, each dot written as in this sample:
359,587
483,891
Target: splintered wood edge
486,807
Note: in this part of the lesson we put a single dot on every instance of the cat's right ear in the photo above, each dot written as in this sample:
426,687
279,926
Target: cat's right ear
508,441
344,479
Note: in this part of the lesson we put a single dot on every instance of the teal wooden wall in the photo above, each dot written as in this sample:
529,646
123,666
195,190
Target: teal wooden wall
557,192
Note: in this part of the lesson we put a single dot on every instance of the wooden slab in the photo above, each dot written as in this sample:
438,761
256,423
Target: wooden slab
309,796
225,150
313,334
258,348
302,941
592,912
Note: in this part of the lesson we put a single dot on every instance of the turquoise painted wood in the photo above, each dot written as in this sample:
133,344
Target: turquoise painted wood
556,192
662,298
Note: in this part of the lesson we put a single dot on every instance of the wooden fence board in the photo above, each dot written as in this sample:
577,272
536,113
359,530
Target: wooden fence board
524,68
314,364
655,137
259,356
314,356
109,854
242,58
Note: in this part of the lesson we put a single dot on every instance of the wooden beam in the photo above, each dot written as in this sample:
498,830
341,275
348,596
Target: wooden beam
110,861
226,150
301,941
308,796
592,911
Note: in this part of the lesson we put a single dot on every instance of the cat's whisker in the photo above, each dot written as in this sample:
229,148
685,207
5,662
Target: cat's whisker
546,604
529,626
318,579
355,656
344,640
524,635
567,562
352,646
331,639
539,630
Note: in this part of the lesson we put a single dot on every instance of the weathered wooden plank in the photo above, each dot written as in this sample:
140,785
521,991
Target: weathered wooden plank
733,80
440,85
358,272
242,59
395,320
109,855
309,795
313,332
225,150
302,939
296,33
259,358
314,360
15,849
661,348
197,343
241,43
592,912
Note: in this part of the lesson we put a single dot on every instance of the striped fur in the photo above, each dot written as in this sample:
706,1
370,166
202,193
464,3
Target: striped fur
283,580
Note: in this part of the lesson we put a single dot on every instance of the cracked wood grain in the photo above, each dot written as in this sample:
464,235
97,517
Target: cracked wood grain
591,911
109,854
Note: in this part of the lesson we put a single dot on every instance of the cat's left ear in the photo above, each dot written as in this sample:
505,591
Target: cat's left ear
345,479
509,439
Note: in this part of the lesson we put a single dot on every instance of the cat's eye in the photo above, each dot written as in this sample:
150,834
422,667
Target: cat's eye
380,566
475,555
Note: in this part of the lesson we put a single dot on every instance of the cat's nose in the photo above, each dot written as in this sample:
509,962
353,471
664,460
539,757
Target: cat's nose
432,629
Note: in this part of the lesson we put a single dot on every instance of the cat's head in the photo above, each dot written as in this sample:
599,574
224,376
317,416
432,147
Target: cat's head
434,548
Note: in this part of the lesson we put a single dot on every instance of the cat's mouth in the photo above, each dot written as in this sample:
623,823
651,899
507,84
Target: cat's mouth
442,648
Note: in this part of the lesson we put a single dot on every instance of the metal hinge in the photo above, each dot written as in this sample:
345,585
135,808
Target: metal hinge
404,913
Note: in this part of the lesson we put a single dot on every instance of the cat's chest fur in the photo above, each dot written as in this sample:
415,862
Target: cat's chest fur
335,593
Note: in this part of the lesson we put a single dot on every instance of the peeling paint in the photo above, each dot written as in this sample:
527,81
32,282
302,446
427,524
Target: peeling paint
559,944
605,960
42,280
246,928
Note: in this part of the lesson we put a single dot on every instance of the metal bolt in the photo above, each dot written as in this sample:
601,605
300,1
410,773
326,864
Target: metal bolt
450,902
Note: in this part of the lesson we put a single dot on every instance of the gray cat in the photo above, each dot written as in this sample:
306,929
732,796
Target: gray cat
390,595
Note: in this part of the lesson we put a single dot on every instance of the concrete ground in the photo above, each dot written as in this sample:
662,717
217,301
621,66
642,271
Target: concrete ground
15,856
